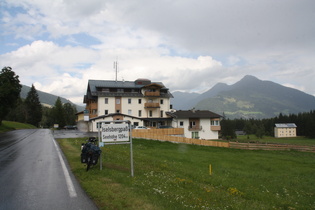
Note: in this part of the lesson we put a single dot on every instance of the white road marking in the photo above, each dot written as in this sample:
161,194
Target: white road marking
70,185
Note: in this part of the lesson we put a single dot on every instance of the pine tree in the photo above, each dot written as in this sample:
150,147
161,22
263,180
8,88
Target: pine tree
58,114
260,131
33,107
227,129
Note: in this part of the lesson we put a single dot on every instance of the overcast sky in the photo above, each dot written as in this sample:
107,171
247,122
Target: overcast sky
188,45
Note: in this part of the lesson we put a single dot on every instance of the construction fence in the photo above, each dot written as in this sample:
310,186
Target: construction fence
174,135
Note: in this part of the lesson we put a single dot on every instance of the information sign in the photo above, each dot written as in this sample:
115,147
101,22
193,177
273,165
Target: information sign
115,132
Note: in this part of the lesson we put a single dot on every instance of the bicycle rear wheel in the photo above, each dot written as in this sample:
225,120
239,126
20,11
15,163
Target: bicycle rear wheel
89,163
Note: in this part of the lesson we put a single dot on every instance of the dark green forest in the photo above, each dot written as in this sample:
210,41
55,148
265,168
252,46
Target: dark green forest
45,117
305,123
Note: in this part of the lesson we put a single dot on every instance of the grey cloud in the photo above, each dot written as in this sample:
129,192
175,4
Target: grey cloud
233,26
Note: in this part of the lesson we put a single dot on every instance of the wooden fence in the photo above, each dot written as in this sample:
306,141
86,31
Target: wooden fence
169,135
255,146
176,135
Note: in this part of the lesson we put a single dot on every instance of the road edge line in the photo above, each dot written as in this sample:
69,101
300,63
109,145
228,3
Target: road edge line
69,182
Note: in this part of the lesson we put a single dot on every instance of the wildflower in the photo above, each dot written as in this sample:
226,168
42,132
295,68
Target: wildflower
207,190
234,191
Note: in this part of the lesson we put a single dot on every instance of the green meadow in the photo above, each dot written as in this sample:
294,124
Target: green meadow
178,176
9,125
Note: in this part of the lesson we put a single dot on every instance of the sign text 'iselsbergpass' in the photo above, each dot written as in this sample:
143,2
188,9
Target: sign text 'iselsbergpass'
115,132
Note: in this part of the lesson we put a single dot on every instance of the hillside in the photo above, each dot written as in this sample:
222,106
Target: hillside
182,100
47,98
252,98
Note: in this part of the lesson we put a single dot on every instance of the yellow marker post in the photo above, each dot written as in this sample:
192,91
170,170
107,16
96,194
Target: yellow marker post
210,169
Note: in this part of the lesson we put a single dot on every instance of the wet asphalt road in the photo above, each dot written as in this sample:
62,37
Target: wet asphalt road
34,173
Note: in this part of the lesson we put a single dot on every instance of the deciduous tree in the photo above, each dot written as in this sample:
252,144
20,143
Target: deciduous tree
69,112
10,89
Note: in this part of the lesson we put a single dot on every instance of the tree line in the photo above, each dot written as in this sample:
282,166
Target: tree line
305,123
30,110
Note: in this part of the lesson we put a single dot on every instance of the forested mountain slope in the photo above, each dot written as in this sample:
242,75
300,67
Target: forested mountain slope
251,98
47,98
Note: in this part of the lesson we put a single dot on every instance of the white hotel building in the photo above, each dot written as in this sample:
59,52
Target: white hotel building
142,102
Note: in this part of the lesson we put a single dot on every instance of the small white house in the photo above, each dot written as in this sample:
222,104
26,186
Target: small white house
285,130
198,124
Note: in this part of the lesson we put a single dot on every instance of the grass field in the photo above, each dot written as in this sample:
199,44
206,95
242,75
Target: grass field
177,176
8,126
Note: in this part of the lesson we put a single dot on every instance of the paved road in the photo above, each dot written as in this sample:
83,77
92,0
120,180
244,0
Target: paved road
60,134
34,174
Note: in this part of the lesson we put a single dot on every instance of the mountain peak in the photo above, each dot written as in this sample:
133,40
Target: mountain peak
249,78
247,81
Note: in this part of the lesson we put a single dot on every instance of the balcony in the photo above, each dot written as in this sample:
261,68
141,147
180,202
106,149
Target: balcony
91,105
92,115
215,127
195,128
150,94
151,105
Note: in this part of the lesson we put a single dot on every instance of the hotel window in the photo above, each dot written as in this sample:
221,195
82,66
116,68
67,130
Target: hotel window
139,101
129,112
181,123
150,113
117,101
129,100
106,100
161,113
139,113
161,101
106,112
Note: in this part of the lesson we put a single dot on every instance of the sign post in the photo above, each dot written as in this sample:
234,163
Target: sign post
115,132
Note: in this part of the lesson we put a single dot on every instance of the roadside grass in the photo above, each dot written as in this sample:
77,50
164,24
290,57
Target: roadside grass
10,125
177,176
300,140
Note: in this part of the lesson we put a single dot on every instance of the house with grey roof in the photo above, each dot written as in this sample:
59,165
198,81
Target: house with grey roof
200,124
285,130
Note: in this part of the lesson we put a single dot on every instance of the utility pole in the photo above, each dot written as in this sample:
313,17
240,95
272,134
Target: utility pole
116,68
